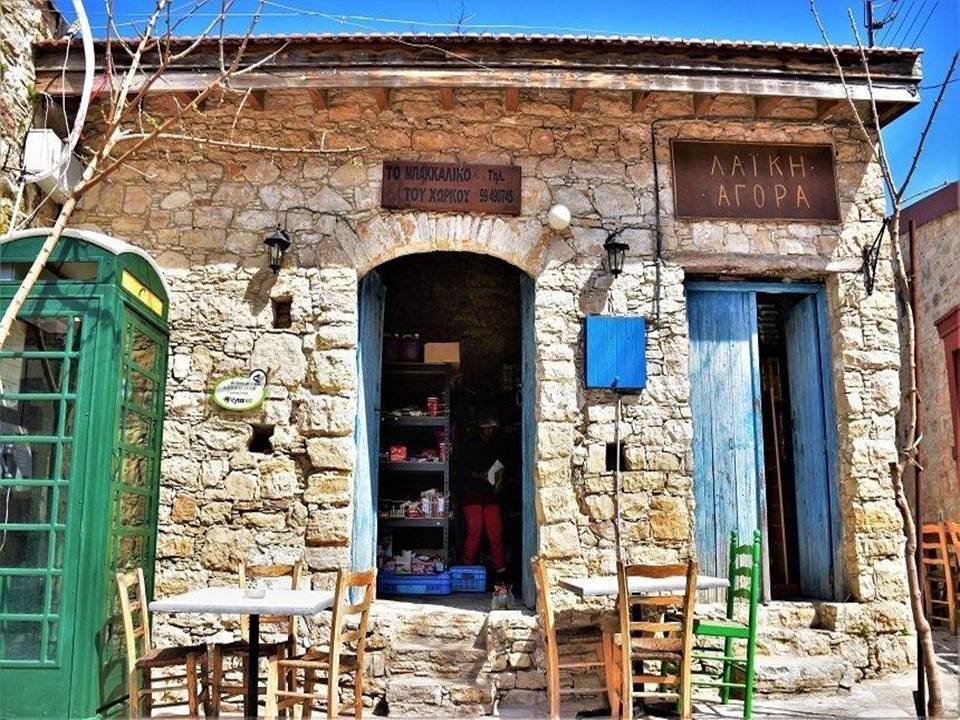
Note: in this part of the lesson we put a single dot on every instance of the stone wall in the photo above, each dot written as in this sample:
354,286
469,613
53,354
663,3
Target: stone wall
202,211
22,22
939,283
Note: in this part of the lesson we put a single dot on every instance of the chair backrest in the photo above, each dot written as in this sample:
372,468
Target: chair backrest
544,602
679,621
743,575
135,613
362,583
253,572
953,538
933,545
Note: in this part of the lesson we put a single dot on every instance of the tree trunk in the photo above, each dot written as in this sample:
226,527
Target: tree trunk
907,423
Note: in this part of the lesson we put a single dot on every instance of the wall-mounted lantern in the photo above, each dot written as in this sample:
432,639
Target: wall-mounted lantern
616,253
277,242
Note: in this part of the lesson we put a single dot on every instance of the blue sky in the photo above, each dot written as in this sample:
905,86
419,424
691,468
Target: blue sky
933,25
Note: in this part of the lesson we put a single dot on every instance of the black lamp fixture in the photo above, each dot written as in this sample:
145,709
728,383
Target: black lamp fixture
277,242
616,252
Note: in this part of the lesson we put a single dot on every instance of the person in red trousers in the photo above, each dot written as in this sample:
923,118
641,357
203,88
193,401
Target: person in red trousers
481,509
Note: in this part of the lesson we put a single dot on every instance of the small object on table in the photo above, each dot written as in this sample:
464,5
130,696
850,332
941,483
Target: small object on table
398,453
433,406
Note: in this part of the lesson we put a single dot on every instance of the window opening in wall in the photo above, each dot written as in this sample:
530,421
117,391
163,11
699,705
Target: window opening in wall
261,440
281,312
449,498
612,457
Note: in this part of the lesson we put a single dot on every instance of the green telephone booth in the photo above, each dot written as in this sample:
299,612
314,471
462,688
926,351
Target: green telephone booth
81,414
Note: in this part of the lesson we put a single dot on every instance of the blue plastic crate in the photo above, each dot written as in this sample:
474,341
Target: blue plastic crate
391,584
468,578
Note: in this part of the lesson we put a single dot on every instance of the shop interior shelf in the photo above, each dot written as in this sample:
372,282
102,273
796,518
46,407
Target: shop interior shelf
416,420
418,368
411,466
413,522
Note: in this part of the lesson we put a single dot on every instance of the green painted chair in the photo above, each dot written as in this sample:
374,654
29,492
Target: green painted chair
744,576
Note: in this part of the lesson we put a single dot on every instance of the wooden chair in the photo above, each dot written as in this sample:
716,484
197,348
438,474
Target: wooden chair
603,649
239,649
744,577
143,658
667,638
938,582
953,553
345,651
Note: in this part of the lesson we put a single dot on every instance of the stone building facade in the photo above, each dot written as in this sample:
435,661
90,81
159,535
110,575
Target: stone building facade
936,221
22,22
202,212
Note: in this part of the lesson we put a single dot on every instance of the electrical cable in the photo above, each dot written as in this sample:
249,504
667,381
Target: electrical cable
899,40
897,25
913,43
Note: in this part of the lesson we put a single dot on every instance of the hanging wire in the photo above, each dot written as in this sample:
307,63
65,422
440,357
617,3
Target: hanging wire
900,39
913,43
893,28
871,256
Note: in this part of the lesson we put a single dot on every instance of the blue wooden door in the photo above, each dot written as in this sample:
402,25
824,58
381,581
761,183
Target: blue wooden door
811,415
363,543
727,431
529,434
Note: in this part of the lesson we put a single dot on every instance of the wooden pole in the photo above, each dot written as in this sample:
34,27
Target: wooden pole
617,481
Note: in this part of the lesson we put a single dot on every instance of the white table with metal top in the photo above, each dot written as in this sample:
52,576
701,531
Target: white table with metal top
606,585
233,601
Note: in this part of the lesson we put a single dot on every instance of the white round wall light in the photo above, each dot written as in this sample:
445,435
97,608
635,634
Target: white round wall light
559,217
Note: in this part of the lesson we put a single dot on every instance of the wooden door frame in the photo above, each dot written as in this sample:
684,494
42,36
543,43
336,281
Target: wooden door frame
818,290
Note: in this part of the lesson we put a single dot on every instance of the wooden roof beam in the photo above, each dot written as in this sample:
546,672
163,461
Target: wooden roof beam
764,105
639,100
826,108
511,99
382,96
256,100
318,98
185,97
447,98
576,99
702,104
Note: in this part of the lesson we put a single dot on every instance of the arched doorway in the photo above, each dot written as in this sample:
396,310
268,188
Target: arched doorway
422,501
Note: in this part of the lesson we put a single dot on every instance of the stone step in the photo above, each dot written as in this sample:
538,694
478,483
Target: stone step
428,697
798,642
789,675
444,660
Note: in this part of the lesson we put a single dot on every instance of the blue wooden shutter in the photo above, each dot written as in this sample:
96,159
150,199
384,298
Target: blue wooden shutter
616,356
816,497
727,425
367,428
528,350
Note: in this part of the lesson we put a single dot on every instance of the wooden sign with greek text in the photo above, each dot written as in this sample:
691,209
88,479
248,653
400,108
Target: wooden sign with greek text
451,187
719,180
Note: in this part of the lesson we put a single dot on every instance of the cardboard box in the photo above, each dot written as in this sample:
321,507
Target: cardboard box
436,352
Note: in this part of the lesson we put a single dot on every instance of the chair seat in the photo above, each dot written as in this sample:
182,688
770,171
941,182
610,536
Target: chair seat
721,628
321,654
163,657
240,648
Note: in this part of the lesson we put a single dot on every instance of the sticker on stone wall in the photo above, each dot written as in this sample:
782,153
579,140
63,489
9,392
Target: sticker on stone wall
240,393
